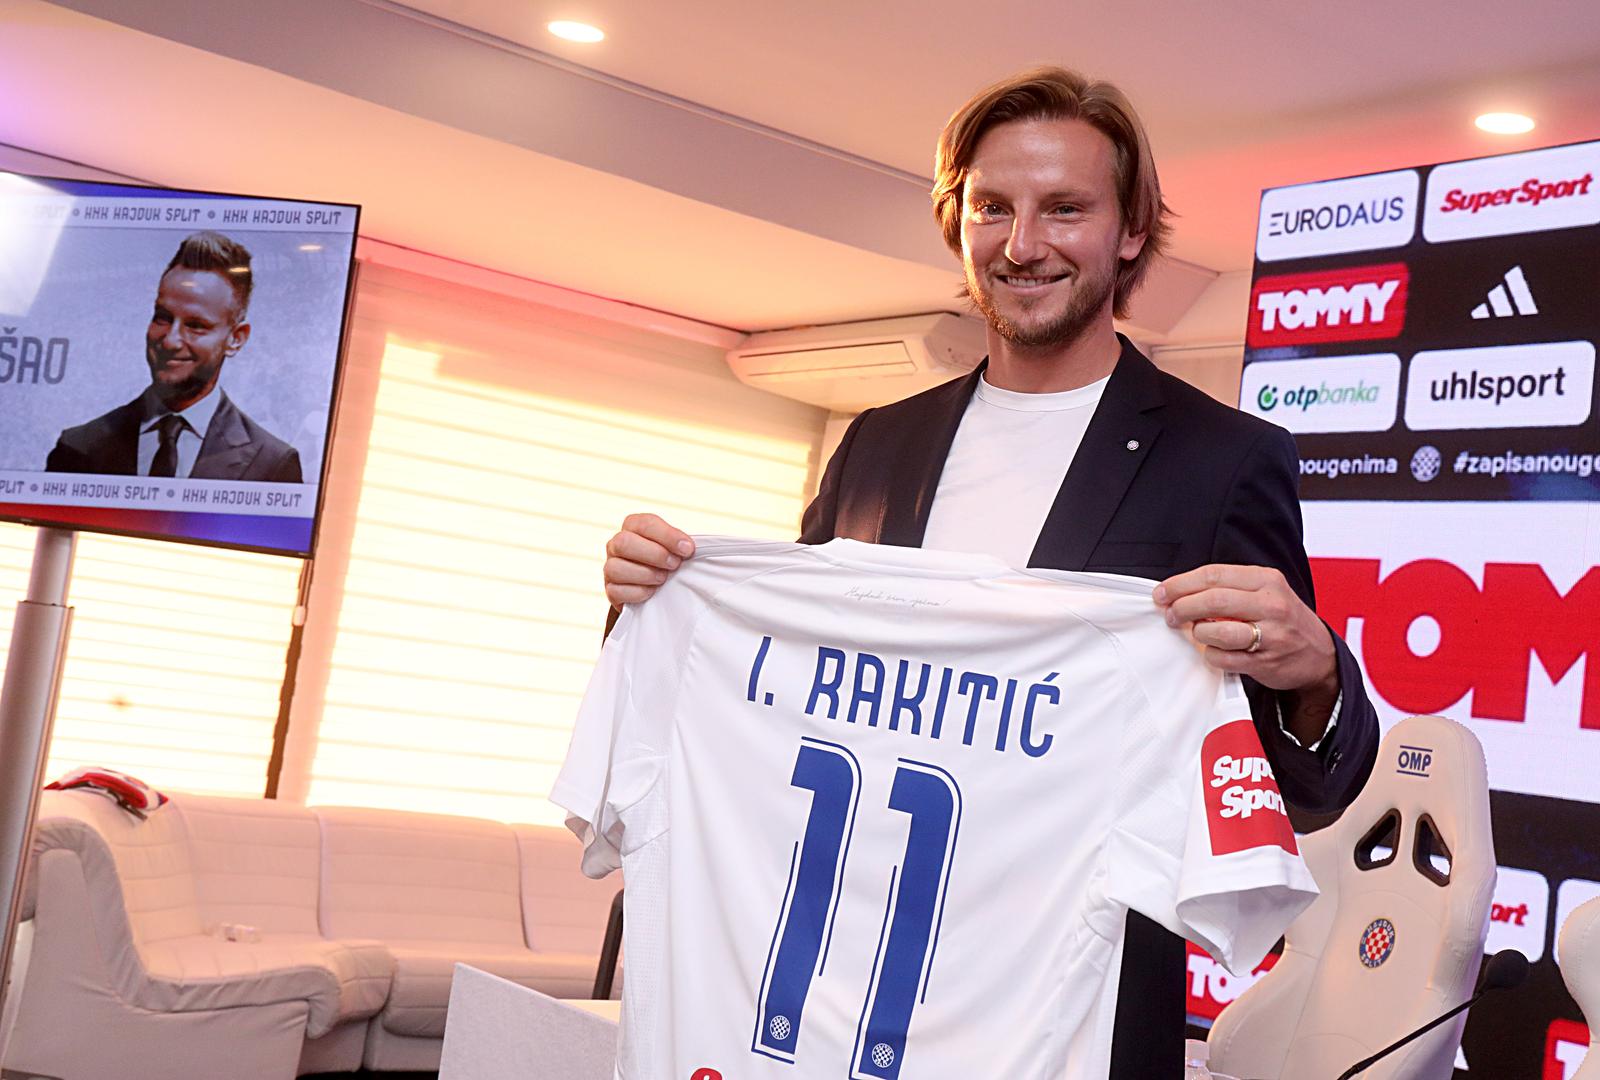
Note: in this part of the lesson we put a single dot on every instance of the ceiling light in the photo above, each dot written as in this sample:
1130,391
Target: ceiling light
576,31
1505,123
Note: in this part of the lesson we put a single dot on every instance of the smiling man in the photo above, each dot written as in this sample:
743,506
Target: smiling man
1067,449
183,425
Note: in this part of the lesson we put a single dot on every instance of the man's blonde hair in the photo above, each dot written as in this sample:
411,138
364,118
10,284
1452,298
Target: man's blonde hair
1053,93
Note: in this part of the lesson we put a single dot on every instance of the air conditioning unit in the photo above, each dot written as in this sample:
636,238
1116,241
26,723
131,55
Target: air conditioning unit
847,367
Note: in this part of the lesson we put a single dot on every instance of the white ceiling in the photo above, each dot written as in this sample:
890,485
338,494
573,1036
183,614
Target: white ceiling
757,165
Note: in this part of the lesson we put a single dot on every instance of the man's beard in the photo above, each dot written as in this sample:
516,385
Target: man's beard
1084,303
193,385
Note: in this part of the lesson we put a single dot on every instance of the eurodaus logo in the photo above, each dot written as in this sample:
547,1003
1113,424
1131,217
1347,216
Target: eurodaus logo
1363,213
1534,191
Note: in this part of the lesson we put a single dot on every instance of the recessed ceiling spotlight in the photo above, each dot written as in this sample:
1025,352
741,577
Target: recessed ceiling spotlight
576,31
1504,123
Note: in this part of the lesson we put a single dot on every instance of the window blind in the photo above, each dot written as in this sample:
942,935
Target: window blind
504,451
175,663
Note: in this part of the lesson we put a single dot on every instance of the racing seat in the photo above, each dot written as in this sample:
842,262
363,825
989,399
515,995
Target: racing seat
1580,967
1396,937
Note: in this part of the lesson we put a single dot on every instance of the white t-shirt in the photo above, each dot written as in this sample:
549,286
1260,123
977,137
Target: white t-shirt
985,503
882,811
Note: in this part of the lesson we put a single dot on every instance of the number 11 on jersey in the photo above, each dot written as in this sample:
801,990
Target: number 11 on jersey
913,913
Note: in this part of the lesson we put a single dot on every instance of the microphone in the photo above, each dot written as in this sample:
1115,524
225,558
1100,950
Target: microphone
1506,970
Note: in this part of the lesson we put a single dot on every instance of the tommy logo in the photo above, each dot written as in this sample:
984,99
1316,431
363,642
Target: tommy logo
1503,304
1377,942
1243,806
1361,303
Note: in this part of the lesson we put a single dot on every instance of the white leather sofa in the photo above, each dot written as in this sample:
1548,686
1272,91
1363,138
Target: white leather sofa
254,939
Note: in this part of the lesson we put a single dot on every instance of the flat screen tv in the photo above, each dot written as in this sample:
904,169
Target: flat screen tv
169,360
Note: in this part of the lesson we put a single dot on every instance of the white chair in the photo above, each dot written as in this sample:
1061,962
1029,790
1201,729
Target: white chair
1580,967
1407,874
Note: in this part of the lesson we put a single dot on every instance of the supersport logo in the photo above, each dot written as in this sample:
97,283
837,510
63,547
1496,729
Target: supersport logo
1243,806
1532,191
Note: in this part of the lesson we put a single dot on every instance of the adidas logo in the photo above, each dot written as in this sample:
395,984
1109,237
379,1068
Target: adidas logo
1507,299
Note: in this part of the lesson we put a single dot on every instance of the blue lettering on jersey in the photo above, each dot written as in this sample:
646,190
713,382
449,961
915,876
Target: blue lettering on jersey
857,685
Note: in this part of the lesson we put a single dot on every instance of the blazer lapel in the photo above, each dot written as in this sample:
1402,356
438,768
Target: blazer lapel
227,448
920,463
1120,434
120,454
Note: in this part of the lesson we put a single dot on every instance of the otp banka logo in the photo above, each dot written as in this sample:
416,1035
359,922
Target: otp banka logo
1363,213
1340,393
1357,304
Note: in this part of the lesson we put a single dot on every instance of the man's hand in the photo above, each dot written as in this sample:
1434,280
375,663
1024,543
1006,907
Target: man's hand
640,556
1252,623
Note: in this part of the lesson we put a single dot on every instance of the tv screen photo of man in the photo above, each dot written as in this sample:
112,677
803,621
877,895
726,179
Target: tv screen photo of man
183,424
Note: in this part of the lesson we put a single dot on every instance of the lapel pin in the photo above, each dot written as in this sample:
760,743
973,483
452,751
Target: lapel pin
1133,444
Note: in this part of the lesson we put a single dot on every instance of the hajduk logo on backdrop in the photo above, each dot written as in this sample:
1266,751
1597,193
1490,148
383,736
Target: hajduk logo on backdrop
1534,191
1363,213
1357,304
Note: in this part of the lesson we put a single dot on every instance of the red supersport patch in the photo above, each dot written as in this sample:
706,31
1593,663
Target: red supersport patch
1243,806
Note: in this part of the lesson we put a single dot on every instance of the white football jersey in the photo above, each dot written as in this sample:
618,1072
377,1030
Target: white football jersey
882,812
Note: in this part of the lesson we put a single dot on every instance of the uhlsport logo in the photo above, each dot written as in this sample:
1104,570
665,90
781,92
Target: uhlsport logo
1357,304
1508,299
1514,193
1243,806
1363,213
1341,393
1377,942
1501,386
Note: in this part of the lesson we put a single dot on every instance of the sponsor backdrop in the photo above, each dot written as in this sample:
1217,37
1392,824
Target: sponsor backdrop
1429,336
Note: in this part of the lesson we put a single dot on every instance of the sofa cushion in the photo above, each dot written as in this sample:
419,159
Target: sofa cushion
255,861
339,980
403,877
420,993
139,876
143,864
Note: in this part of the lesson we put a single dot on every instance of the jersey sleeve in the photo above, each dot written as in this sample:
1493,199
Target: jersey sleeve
1242,880
1203,844
618,751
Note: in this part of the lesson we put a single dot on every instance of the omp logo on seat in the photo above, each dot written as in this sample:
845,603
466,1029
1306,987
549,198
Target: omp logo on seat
1414,761
1243,806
